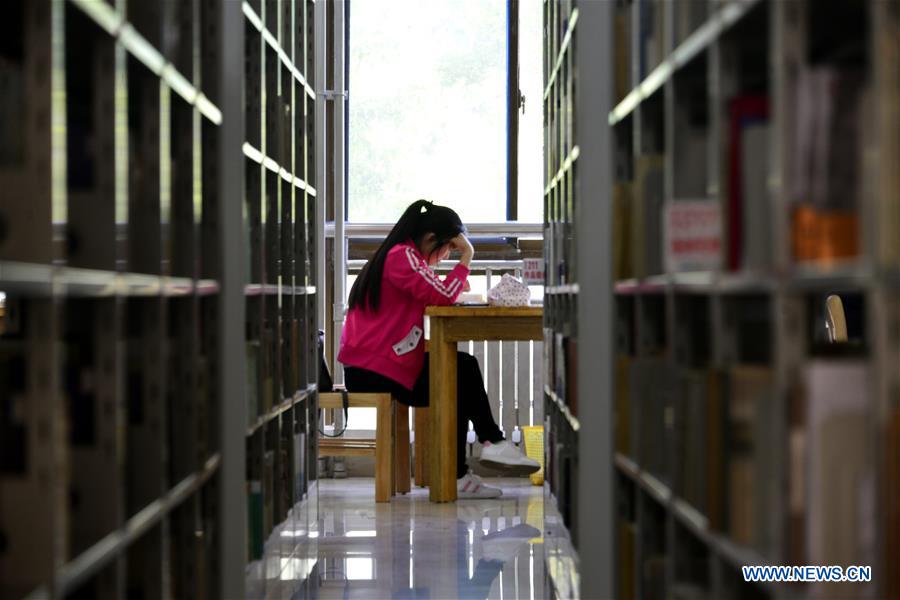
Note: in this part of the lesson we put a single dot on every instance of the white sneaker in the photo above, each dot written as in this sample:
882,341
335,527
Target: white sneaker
471,487
505,457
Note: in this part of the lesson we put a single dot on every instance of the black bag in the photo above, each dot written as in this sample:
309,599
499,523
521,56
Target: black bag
326,384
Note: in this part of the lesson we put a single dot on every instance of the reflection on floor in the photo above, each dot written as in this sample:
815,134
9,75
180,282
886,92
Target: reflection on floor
408,548
287,570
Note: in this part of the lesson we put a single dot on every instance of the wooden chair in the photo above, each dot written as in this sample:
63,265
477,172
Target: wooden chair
390,446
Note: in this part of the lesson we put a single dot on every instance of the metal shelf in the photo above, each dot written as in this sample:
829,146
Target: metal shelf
285,405
272,41
559,402
115,24
35,280
697,42
95,558
270,164
804,278
846,276
570,289
566,167
566,43
271,289
650,285
688,516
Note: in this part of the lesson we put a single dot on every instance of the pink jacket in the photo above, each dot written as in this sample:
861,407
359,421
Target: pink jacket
390,341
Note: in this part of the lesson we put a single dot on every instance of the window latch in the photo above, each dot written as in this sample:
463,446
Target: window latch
332,94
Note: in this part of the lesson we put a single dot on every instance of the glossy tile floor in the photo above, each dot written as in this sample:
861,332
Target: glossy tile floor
412,548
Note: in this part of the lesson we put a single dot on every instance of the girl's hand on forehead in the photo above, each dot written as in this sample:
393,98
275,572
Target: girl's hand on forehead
462,243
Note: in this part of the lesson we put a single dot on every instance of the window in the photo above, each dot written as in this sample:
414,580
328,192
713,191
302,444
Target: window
427,110
531,120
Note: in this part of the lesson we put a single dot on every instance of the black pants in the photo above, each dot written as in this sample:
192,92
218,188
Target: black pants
471,400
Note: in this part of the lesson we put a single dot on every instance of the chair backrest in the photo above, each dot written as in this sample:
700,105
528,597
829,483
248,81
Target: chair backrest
835,321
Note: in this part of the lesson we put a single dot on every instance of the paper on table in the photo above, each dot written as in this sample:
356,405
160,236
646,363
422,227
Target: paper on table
471,298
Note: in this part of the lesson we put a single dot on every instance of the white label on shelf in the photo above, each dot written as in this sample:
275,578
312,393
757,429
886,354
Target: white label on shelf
533,271
693,236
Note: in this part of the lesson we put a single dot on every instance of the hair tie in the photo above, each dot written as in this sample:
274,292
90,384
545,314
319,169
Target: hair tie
426,206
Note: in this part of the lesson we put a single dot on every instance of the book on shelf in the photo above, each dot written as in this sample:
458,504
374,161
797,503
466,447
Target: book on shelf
202,387
715,464
748,222
622,230
756,247
690,157
12,113
651,41
286,473
571,351
646,221
623,405
252,348
254,519
751,473
891,474
627,539
653,576
833,481
13,420
549,355
294,369
652,387
622,52
268,491
689,591
559,365
268,371
832,104
690,438
565,363
299,474
689,16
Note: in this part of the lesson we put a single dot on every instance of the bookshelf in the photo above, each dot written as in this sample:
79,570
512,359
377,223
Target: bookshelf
577,309
281,330
726,395
129,299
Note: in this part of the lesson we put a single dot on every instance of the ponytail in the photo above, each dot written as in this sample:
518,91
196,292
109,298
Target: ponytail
418,220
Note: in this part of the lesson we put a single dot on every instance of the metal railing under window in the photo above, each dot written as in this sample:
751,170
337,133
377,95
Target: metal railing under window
512,228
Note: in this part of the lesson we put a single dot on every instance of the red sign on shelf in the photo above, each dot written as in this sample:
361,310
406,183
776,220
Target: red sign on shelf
693,235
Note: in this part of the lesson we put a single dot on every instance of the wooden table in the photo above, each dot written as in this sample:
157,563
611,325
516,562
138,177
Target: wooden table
447,326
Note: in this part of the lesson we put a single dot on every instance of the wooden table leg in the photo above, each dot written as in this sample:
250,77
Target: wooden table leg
442,374
423,421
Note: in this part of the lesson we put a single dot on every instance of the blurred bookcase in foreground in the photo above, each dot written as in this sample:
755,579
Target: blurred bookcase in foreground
742,437
281,332
112,283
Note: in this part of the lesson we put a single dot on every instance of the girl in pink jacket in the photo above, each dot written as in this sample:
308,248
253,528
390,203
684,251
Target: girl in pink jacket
383,346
